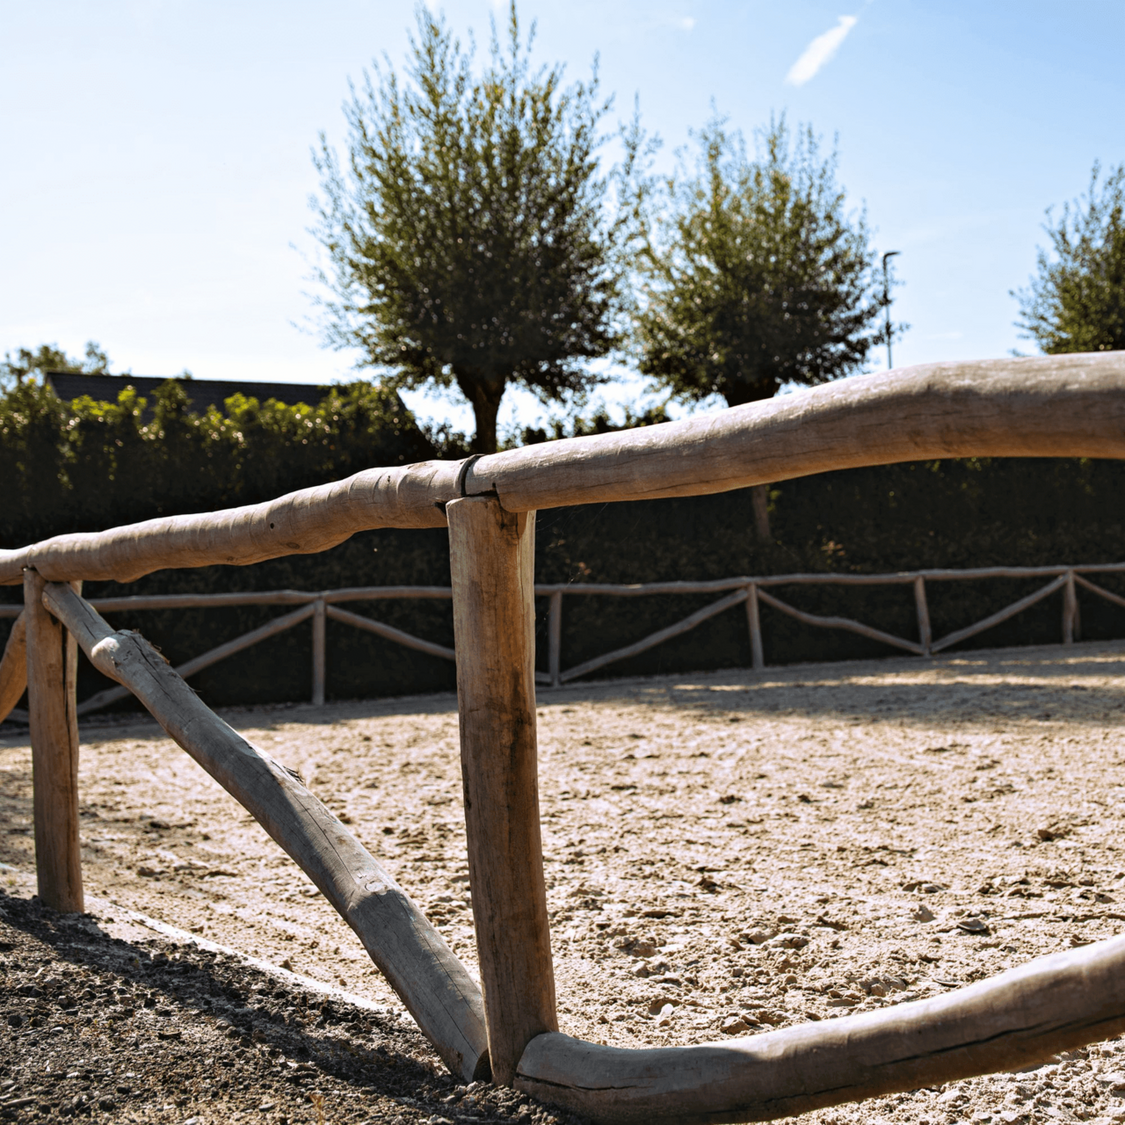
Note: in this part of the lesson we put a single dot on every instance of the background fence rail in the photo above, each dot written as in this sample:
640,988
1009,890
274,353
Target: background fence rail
321,605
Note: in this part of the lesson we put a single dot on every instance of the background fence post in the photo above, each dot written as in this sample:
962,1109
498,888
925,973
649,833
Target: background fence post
52,668
754,620
554,638
922,609
491,561
319,619
1070,610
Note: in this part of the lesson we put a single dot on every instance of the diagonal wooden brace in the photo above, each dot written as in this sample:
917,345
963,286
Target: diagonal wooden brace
411,954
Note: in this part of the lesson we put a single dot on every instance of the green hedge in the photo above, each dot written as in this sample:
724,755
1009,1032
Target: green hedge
111,469
86,465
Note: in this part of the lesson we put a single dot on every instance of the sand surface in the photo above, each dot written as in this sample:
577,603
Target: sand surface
725,853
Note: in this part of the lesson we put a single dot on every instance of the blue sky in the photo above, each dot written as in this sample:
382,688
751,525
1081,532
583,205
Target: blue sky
156,163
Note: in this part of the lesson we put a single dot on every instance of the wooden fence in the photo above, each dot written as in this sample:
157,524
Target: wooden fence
321,607
1066,406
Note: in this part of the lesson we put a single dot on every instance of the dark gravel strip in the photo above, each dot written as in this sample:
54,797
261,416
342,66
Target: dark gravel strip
95,1027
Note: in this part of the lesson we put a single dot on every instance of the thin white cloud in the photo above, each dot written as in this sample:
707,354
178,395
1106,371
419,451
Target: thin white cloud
819,51
680,23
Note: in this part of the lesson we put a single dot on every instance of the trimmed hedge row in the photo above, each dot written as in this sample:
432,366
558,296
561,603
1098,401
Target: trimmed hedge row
86,465
902,517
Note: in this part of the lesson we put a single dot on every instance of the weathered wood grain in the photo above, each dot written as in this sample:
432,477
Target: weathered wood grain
211,656
653,639
390,633
554,638
922,612
412,955
52,672
1019,1018
492,554
840,623
754,625
319,652
1101,591
1000,615
1071,628
1044,406
298,523
13,667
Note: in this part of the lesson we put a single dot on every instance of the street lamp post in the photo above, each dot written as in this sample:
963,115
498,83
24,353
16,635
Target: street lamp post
887,303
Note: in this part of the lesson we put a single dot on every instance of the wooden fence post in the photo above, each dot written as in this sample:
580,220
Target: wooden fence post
554,638
52,669
491,561
754,620
922,609
1070,610
319,620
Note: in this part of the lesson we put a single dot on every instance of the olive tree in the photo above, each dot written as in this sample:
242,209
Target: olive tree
756,275
1076,301
473,237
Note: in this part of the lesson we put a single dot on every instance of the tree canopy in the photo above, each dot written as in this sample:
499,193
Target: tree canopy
50,357
1076,301
755,274
474,241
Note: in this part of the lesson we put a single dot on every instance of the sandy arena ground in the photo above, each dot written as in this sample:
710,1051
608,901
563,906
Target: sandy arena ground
725,853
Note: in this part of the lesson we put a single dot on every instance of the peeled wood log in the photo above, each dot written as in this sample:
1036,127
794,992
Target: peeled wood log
922,612
384,593
1070,623
298,523
1000,615
211,656
1049,406
841,623
492,554
319,652
554,638
13,667
201,601
52,673
1101,591
1044,406
653,639
1019,1018
412,955
390,633
754,625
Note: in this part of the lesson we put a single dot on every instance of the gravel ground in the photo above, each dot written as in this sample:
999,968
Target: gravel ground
155,1026
725,853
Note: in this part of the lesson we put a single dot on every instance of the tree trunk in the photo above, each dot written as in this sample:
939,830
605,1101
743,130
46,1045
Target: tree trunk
484,390
739,394
760,499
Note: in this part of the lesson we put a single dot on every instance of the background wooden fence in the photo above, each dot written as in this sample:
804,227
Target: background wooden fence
322,606
1054,406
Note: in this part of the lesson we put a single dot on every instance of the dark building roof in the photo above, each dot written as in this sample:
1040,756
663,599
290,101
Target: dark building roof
202,393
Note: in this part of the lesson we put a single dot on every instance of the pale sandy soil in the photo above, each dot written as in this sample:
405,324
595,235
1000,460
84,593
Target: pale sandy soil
902,827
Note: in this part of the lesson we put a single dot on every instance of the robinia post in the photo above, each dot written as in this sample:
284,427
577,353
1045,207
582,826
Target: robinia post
492,555
52,670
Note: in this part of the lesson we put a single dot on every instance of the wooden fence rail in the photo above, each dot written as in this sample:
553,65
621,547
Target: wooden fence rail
321,606
1064,406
